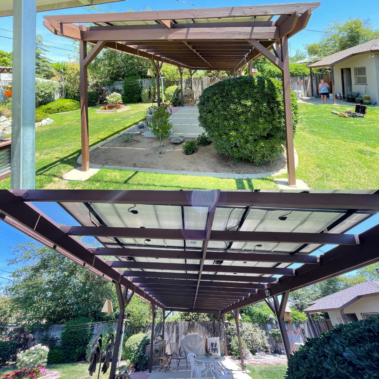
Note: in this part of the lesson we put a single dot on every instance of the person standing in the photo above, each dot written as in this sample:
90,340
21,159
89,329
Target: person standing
323,89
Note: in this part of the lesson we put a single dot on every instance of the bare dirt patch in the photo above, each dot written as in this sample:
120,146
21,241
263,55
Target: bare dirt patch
143,152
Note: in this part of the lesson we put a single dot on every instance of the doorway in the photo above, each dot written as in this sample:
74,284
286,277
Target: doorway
347,84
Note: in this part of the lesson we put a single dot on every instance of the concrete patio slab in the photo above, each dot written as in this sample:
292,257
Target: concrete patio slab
283,184
183,373
81,176
185,123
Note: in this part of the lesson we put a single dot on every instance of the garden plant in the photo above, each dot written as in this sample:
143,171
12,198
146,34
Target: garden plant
34,357
161,125
132,90
134,351
190,147
346,351
244,118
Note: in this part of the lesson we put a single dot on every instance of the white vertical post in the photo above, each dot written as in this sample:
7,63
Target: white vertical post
122,341
23,94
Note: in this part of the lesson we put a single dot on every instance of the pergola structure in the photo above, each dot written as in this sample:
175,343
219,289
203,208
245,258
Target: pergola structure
205,251
193,39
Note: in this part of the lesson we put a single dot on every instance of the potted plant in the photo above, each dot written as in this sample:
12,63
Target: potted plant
359,99
366,99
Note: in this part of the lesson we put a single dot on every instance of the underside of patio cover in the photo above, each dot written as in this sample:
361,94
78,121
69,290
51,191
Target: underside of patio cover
206,39
205,251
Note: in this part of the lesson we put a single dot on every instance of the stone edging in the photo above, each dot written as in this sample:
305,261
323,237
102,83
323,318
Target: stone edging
123,109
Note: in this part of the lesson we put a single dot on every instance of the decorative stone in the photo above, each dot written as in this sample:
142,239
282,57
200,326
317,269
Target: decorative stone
43,122
3,118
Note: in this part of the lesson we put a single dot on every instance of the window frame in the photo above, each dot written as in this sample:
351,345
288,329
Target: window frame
356,75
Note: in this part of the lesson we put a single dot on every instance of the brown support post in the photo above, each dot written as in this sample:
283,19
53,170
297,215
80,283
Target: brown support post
282,327
236,317
288,113
163,321
223,323
152,339
181,85
344,318
119,330
311,79
84,105
333,85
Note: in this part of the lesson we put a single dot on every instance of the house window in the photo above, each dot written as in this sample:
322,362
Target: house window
360,75
367,315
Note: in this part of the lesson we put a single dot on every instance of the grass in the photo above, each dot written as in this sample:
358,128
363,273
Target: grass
58,147
336,152
68,371
267,371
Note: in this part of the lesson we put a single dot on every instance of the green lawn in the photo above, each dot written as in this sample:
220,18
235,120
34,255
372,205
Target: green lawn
68,371
58,147
334,153
267,371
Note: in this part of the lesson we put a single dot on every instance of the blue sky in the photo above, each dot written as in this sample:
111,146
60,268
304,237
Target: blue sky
329,11
10,237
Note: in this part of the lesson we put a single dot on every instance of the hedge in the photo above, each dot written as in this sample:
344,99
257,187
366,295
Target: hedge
8,350
55,356
134,351
93,98
132,90
60,105
244,117
169,93
346,351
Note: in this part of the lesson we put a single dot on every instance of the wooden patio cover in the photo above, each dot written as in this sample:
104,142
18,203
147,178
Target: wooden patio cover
204,251
195,39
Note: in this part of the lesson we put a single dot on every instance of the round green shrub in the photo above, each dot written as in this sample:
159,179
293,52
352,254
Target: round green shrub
60,105
8,350
132,90
93,98
244,117
40,115
55,357
346,351
169,93
190,147
176,99
134,351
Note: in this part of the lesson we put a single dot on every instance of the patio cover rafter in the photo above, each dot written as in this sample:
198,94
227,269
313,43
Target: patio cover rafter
202,286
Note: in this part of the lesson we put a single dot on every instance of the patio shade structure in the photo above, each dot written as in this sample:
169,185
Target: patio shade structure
23,81
205,251
194,39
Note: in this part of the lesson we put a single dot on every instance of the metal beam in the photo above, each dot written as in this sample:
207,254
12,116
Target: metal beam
286,200
200,235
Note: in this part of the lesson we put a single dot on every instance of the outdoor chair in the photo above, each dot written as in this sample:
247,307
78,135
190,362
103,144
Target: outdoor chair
222,372
179,357
199,370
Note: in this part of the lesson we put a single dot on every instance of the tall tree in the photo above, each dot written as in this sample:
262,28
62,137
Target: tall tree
5,59
342,35
43,64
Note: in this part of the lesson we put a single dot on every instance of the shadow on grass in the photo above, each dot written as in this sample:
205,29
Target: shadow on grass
71,158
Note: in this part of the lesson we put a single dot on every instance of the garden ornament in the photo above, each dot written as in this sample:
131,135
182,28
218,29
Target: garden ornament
108,307
99,356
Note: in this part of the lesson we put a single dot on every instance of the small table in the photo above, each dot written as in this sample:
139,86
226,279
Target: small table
209,361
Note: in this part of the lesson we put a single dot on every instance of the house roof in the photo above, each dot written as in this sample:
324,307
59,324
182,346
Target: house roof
5,70
330,60
344,298
6,6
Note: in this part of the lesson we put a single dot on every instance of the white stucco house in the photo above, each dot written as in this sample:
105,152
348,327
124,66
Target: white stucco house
349,305
355,69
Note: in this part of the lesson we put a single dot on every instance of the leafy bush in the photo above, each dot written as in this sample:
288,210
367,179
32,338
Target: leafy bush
203,140
169,93
190,147
103,93
146,96
44,91
60,105
252,334
161,124
93,98
50,341
276,335
134,351
176,99
346,351
34,357
132,90
40,115
298,316
55,357
114,98
30,373
74,339
8,350
244,117
235,349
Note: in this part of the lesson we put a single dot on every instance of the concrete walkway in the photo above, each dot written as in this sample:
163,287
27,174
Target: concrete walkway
183,373
185,123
